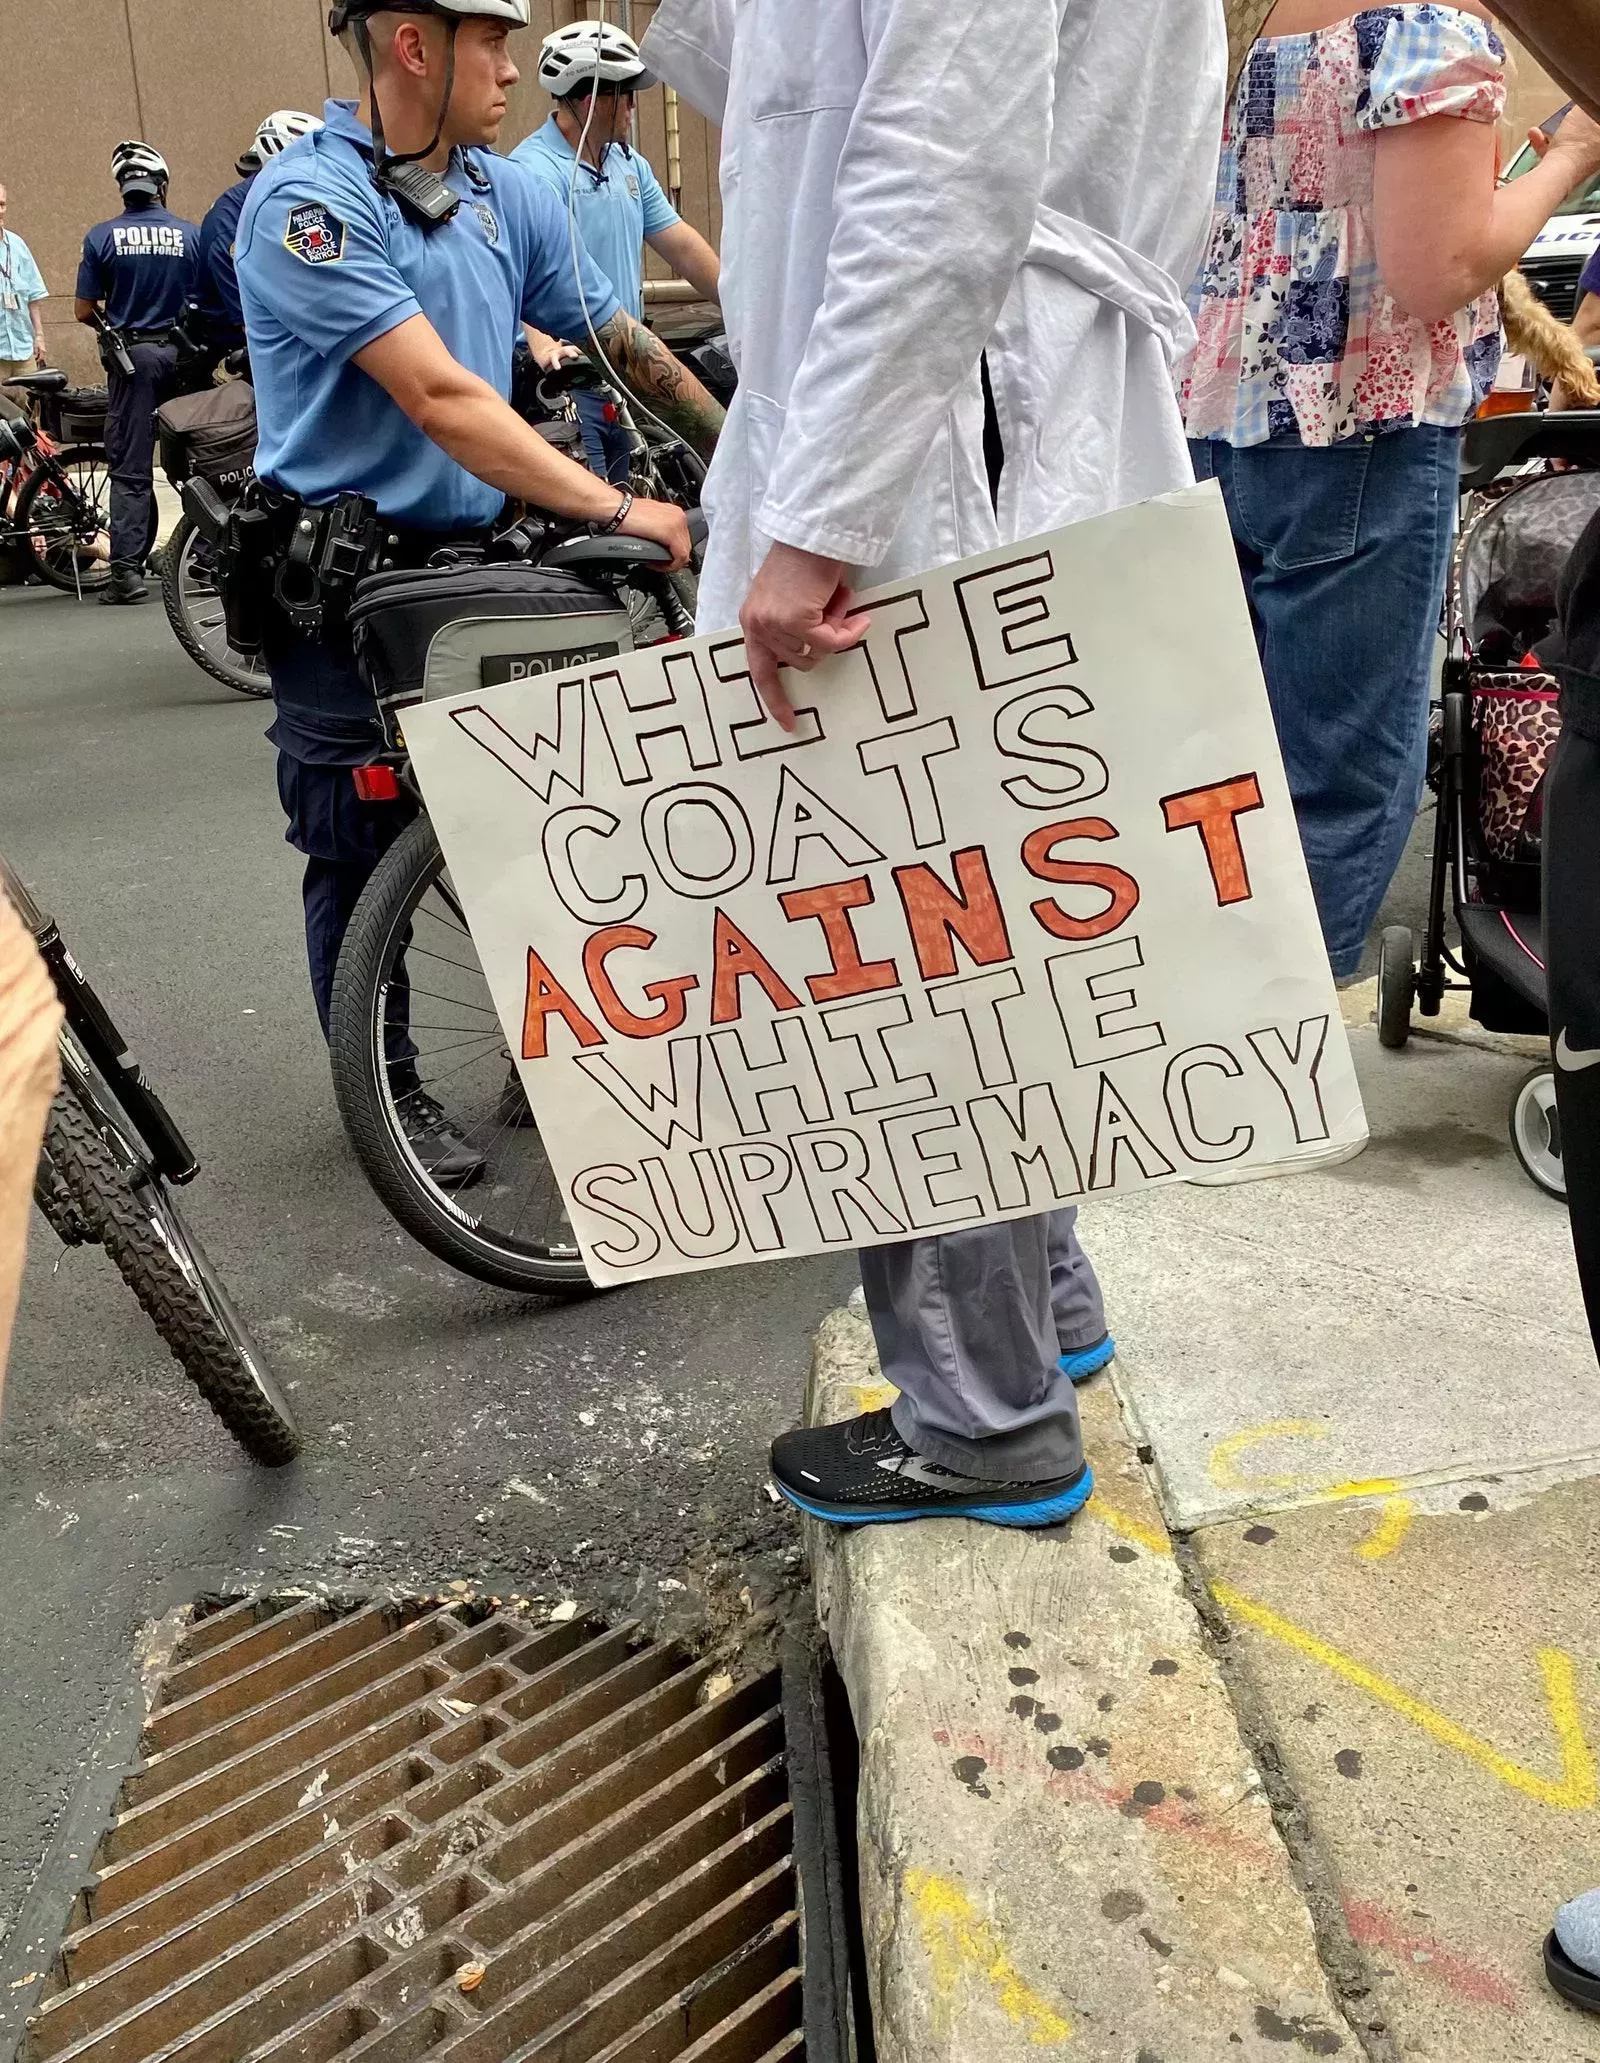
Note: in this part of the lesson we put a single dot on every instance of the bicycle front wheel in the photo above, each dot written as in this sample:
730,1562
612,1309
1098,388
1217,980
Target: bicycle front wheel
415,1036
136,1219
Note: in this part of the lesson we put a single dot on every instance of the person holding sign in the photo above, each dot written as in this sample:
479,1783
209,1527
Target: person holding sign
871,262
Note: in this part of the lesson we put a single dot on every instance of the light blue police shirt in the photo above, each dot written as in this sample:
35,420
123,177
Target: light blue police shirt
619,205
327,264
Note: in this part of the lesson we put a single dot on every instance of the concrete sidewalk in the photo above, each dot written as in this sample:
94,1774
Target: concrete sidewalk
1367,1408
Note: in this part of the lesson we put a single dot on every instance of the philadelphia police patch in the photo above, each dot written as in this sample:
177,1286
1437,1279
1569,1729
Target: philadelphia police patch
486,215
315,234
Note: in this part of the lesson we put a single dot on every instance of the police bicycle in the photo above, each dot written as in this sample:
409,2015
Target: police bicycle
412,1015
112,1157
55,488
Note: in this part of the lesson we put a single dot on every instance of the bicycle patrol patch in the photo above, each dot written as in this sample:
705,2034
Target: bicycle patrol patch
489,220
314,234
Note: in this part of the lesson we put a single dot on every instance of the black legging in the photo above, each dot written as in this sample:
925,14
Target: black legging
1572,943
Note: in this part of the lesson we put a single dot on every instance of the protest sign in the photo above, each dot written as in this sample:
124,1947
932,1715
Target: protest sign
1017,916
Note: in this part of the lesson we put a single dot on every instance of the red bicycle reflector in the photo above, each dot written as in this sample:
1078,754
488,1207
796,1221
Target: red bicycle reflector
608,414
376,783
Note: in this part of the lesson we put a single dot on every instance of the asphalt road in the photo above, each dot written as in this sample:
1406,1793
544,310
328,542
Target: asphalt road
610,1449
601,1449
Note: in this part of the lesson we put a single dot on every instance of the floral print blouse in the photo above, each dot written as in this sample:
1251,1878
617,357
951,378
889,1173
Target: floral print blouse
1297,335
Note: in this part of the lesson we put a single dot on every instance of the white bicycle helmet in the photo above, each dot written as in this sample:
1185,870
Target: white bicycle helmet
139,169
587,54
517,12
281,129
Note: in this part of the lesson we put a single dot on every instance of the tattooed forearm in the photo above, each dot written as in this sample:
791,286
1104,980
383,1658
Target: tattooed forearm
646,364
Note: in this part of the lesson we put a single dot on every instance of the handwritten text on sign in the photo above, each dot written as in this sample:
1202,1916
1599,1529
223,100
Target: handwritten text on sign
1018,915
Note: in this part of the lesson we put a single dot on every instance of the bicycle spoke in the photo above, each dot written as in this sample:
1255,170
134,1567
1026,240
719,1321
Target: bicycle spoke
427,953
455,1002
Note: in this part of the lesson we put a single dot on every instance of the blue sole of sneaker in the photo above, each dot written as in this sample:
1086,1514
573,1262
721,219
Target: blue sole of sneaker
1044,1511
1079,1367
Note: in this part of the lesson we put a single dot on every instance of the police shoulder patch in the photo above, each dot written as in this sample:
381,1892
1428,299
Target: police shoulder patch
314,234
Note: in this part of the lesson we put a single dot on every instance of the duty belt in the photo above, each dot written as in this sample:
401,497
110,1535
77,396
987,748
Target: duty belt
320,553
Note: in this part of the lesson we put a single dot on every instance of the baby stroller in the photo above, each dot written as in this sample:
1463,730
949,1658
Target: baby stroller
1493,738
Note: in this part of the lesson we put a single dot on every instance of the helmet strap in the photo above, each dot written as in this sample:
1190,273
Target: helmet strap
382,156
420,194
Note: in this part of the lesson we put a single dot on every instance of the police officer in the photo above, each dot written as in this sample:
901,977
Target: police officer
136,275
584,154
383,267
219,323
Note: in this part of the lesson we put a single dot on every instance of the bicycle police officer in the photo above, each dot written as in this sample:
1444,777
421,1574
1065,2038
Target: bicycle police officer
384,267
594,73
135,276
219,320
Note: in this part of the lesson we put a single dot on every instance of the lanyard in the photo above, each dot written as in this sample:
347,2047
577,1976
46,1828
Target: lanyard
5,252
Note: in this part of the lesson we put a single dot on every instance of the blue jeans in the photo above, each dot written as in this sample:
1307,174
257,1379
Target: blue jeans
1344,552
605,444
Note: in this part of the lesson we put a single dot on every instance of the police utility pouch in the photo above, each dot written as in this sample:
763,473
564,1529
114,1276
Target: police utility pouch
210,435
442,630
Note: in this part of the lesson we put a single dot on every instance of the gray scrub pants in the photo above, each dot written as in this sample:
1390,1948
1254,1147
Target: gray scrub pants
970,1328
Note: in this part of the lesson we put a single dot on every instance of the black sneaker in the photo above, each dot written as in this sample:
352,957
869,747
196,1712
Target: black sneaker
123,587
512,1110
861,1473
445,1153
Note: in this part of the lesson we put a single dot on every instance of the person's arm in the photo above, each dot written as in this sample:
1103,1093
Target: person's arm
935,201
91,283
690,256
641,361
465,417
29,1019
566,294
35,292
1565,37
1445,230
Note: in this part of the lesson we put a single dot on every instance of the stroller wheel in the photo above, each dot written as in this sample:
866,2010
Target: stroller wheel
1536,1133
1397,986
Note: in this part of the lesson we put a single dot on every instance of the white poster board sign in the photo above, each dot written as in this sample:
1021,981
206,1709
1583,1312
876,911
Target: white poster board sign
1018,915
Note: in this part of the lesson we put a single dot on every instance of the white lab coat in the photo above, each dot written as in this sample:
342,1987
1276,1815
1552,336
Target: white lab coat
906,183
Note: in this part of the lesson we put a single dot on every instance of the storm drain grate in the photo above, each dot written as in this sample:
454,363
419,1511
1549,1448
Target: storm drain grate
391,1832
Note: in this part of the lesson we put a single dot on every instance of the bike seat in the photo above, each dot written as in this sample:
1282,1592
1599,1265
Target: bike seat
614,554
50,381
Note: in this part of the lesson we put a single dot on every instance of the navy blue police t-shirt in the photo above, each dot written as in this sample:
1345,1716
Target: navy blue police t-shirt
218,292
141,266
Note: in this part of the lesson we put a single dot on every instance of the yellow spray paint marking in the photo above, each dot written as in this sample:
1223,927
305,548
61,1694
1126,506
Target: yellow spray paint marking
1225,1473
1128,1526
1578,1789
1222,1466
1394,1523
960,1941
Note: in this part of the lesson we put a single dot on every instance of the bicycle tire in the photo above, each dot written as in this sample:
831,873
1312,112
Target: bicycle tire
355,1044
244,679
142,1229
85,582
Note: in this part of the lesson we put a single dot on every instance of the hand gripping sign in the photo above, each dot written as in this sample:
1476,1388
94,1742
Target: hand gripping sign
1017,916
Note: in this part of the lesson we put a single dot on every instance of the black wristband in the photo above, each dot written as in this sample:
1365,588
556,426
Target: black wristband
624,507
